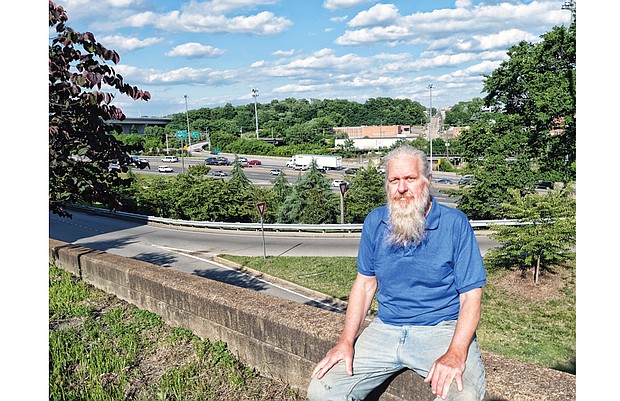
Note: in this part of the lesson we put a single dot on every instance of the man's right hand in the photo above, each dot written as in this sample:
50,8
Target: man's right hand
341,352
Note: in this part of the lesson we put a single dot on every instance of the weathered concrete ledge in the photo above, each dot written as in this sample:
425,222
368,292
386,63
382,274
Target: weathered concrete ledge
281,339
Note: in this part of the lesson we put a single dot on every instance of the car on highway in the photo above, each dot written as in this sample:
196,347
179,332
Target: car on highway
219,173
275,171
164,169
114,167
211,161
336,183
543,184
255,163
443,181
467,179
222,161
169,159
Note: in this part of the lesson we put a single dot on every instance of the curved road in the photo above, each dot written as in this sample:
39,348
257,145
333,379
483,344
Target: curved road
192,250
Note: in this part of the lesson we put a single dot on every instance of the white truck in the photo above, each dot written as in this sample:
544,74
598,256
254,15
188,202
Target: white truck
302,162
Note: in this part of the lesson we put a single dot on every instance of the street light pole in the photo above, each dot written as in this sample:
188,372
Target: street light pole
572,7
189,136
430,120
255,95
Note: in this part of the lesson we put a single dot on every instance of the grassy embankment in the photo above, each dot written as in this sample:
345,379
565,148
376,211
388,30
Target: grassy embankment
534,324
102,348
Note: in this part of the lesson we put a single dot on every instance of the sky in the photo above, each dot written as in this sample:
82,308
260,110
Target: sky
215,52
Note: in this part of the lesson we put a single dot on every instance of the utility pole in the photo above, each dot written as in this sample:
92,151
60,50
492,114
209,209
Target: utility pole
255,95
430,121
572,7
189,135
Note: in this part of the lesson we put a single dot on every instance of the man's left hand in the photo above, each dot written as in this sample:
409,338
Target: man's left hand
443,372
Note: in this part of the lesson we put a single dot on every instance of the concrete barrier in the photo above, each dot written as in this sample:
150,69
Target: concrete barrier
281,339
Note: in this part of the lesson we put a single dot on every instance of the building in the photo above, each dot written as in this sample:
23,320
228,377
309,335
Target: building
379,131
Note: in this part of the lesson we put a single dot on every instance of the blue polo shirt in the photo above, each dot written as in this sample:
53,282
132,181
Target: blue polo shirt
420,285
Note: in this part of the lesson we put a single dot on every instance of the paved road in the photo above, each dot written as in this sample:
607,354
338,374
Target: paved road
192,250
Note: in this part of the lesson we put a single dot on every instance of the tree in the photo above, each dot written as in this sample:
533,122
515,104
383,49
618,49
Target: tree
545,236
367,192
311,200
81,143
538,83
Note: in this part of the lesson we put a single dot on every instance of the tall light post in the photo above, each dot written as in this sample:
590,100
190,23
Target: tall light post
430,120
189,136
255,95
572,7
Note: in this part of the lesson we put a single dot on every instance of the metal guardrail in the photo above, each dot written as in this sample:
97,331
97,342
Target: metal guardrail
276,227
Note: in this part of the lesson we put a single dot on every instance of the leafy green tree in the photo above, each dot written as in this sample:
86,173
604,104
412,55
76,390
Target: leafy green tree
81,144
367,191
281,189
238,177
538,83
311,200
496,156
467,113
545,236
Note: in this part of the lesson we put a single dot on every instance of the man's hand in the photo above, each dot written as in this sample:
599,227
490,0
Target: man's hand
341,352
446,369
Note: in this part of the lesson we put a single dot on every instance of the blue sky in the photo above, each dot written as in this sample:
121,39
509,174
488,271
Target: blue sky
216,51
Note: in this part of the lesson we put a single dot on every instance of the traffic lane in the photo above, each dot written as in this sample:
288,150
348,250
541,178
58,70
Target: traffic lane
157,246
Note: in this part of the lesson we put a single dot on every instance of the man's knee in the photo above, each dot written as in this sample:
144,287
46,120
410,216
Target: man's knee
318,390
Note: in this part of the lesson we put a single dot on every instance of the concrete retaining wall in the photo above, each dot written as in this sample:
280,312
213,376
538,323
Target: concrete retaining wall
281,339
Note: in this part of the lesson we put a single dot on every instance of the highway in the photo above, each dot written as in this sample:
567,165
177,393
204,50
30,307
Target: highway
192,250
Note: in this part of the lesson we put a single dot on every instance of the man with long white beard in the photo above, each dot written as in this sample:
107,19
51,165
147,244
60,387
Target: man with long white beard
424,263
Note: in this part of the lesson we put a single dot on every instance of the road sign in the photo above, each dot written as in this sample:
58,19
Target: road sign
195,135
261,208
181,134
343,187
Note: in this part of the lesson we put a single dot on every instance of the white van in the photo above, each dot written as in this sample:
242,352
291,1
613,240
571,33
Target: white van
170,159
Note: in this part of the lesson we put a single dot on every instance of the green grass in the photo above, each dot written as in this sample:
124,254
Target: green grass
541,332
102,348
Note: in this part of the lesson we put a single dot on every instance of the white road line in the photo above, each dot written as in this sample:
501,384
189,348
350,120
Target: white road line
183,252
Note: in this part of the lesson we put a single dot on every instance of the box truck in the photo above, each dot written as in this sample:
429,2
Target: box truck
302,162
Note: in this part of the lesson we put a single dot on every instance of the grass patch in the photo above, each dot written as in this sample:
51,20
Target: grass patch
102,348
533,324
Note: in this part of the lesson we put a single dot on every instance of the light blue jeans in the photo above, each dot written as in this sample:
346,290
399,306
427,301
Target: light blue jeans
382,349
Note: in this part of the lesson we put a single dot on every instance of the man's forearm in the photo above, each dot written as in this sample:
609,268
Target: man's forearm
469,316
360,298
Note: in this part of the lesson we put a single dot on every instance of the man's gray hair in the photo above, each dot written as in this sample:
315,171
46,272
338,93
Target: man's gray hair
408,151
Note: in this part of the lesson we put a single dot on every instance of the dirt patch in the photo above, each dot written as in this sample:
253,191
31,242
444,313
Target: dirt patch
521,283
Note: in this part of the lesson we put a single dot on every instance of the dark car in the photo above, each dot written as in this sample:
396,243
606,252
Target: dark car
211,161
543,184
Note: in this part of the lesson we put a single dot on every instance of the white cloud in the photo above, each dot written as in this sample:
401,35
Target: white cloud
440,24
283,53
504,39
263,23
122,43
380,14
194,50
338,4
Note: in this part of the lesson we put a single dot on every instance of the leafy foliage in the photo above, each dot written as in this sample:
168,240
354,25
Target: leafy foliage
546,236
367,192
311,200
538,83
81,144
494,153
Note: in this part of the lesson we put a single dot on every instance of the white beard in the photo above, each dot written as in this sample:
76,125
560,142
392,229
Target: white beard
408,221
